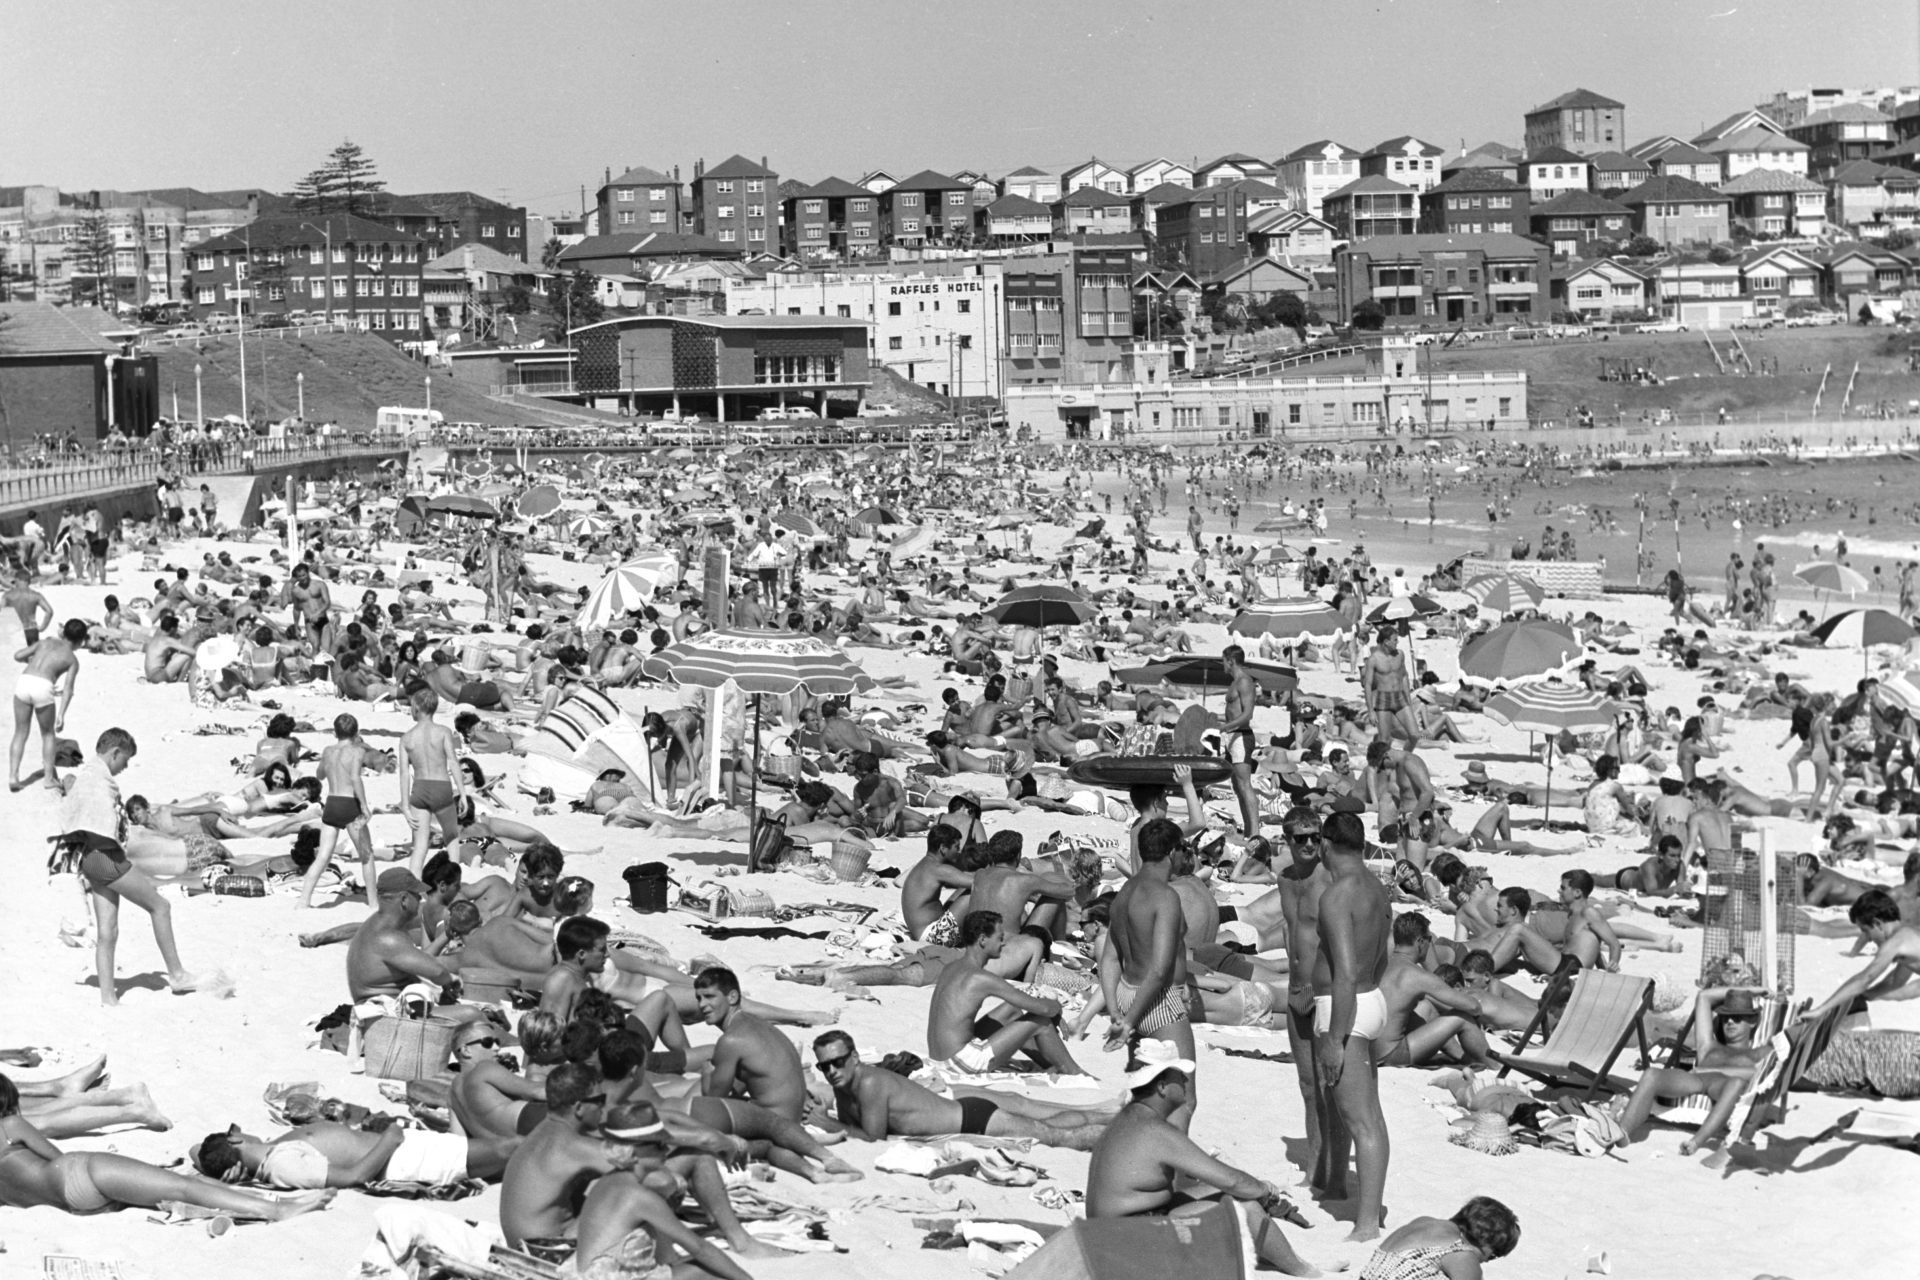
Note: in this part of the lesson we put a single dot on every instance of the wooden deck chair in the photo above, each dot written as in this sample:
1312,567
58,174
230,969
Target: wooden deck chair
1802,1047
1603,1012
1776,1012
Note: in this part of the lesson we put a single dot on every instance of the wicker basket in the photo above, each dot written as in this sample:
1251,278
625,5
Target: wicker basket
849,859
1019,689
487,986
785,767
408,1048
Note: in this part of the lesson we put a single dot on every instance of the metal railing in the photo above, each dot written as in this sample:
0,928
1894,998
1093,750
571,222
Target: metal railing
164,339
67,476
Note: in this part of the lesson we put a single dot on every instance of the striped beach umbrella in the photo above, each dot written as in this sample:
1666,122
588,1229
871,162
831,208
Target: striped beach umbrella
1504,592
621,592
1519,651
1290,619
1405,607
1828,578
1902,691
1551,708
915,542
801,524
1862,629
585,524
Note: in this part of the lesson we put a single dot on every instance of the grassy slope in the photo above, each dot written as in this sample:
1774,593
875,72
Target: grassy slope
1563,375
348,377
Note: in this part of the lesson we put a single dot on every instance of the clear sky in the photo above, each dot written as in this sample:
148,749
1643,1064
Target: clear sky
529,101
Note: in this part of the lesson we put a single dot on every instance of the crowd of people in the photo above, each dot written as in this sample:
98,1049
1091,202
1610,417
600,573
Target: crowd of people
1314,883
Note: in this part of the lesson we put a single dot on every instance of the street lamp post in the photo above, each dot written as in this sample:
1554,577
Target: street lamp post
429,381
326,233
199,409
300,390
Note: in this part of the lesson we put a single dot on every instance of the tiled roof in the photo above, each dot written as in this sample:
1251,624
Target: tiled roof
1555,155
1618,162
1406,144
1864,173
1752,118
1091,197
1755,138
1767,180
1028,171
1579,204
1249,264
1575,98
641,176
1477,179
1668,189
1164,193
282,231
1685,153
610,246
1372,184
1238,159
737,166
1018,207
1317,150
455,202
42,329
835,189
485,258
928,180
1148,163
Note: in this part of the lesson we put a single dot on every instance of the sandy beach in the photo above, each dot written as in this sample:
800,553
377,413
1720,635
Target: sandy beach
1828,1210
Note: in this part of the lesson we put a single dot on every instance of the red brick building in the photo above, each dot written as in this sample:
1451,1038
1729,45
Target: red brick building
333,265
737,202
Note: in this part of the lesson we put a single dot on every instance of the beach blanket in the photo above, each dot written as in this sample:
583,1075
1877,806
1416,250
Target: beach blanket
1883,1063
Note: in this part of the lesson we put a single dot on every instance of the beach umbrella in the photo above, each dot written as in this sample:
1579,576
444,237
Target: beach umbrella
1042,606
759,662
625,590
1551,708
476,469
915,542
1091,529
462,504
1862,629
538,501
826,493
693,494
1278,553
877,515
216,653
1504,592
1289,620
1519,651
1902,691
800,524
1012,519
586,524
1207,671
1827,577
1404,607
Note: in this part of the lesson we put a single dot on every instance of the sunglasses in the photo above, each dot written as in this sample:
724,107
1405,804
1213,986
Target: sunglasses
491,1042
1301,837
594,1100
829,1064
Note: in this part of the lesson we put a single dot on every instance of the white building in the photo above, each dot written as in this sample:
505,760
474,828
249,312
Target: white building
944,332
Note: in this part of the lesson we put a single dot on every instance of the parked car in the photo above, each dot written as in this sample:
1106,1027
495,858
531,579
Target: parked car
800,413
772,413
1660,326
221,322
192,330
1754,322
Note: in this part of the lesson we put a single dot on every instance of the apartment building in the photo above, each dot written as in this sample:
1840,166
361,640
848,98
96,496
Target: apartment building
638,201
1405,159
1310,173
1446,279
339,265
737,203
1580,121
1475,202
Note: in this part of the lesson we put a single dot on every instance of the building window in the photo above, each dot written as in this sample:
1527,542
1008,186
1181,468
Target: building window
1366,411
813,206
1226,415
893,308
861,206
656,195
756,233
756,185
910,226
727,235
626,217
656,217
843,311
314,255
1293,415
513,232
486,231
756,211
723,188
863,229
723,211
956,197
963,305
204,297
317,287
624,195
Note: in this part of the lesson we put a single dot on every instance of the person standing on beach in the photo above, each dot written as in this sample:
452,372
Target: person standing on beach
42,693
1350,1013
430,777
30,605
312,606
1383,679
1143,972
1301,884
1236,736
342,768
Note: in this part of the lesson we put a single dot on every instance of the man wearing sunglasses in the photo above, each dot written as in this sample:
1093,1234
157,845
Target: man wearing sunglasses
487,1097
875,1103
1724,1023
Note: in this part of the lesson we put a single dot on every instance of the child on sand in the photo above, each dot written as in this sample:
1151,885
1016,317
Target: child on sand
342,770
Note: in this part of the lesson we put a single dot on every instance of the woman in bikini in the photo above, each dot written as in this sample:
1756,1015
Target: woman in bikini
34,1172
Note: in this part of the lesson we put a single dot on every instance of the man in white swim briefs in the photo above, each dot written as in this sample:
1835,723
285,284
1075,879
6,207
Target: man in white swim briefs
41,695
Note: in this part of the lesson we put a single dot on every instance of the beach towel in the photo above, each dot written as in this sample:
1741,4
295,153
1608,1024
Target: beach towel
1885,1064
401,1228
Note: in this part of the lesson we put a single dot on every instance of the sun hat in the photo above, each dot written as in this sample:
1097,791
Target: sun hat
1476,772
1486,1131
1154,1057
1737,1004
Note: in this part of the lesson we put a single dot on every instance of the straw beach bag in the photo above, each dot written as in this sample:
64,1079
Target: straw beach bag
402,1047
849,858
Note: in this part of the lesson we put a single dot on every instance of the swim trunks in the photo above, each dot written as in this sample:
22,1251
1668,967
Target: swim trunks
33,635
1388,700
974,1114
98,859
431,794
436,1159
295,1166
1172,1008
944,932
478,693
1240,747
34,690
1369,1014
341,812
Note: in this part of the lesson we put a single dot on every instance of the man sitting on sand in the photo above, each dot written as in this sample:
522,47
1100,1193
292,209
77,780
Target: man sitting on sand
875,1103
1501,1007
382,959
1410,1039
328,1154
957,1030
1724,1023
488,1099
167,655
1141,1155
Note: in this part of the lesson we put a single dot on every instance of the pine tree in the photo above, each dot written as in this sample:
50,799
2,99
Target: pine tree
93,256
347,183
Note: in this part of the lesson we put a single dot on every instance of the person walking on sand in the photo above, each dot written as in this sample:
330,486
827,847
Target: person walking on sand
1143,973
1350,1013
1236,732
430,777
41,694
95,826
342,773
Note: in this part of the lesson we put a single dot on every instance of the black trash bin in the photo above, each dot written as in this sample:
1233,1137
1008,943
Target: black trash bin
647,886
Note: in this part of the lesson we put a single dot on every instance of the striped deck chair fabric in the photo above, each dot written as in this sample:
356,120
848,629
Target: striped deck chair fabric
1602,1014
